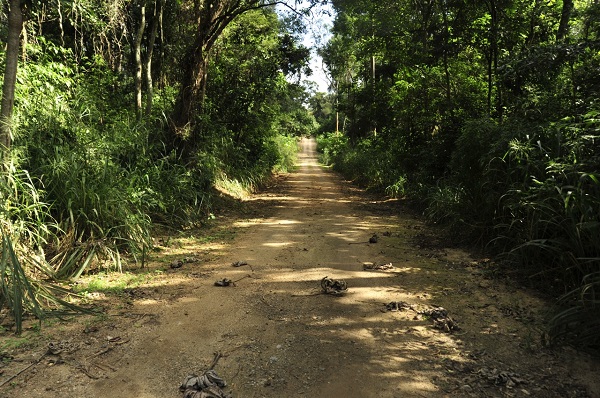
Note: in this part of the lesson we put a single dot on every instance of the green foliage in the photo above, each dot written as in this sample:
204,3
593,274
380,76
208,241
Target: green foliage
398,188
112,283
26,228
250,121
331,146
558,201
369,163
486,114
64,140
172,193
287,152
88,178
445,205
97,205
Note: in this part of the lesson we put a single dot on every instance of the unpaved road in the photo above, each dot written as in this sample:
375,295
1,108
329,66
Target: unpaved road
281,337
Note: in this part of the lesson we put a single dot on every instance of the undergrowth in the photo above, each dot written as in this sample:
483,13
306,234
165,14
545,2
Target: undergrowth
85,183
534,196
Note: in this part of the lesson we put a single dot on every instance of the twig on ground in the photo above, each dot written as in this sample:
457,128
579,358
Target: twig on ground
11,378
307,295
86,371
103,366
218,355
262,298
243,277
101,352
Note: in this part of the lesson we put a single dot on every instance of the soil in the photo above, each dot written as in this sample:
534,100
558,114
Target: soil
274,332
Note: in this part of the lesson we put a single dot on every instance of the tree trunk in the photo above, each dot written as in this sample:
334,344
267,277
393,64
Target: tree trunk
137,48
337,107
190,101
565,17
15,24
493,62
151,40
191,89
213,17
446,45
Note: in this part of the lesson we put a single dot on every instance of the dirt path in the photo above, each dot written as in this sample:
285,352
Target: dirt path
280,337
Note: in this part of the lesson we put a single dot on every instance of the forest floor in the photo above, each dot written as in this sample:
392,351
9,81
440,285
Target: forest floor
277,334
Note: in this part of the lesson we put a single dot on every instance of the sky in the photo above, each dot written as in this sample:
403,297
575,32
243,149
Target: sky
317,34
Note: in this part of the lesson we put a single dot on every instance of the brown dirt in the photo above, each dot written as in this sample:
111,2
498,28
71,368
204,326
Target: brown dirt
279,336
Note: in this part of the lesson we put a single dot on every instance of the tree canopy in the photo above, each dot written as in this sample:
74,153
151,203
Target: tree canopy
486,113
118,116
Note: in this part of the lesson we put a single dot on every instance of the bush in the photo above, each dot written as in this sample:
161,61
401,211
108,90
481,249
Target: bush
26,229
286,148
331,147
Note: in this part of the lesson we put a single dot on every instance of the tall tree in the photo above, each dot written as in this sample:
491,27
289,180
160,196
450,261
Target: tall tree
211,18
565,17
156,21
15,25
137,50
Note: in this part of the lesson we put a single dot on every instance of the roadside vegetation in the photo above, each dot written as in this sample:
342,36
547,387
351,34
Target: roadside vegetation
486,115
121,116
110,134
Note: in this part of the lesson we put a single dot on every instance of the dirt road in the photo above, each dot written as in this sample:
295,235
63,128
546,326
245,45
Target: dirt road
280,336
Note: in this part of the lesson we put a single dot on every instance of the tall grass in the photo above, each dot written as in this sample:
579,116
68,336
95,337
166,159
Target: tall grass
286,149
98,210
26,229
533,193
576,321
371,162
547,219
276,154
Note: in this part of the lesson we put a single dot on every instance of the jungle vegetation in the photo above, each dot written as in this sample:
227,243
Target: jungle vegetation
121,115
486,115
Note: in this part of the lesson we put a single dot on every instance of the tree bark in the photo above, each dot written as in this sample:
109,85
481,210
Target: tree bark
565,17
137,48
15,24
446,46
191,96
149,52
213,17
493,62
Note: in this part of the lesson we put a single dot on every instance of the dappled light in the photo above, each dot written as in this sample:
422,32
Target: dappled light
255,295
313,235
169,173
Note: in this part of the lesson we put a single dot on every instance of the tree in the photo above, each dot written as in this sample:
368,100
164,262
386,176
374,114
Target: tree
156,21
137,50
143,65
565,17
244,112
15,25
211,18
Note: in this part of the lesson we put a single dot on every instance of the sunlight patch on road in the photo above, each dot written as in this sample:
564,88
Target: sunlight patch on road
147,302
188,299
272,222
412,388
285,222
346,327
268,198
378,295
278,244
247,223
316,274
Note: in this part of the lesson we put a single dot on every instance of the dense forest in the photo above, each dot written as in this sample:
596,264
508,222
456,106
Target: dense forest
118,116
486,115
